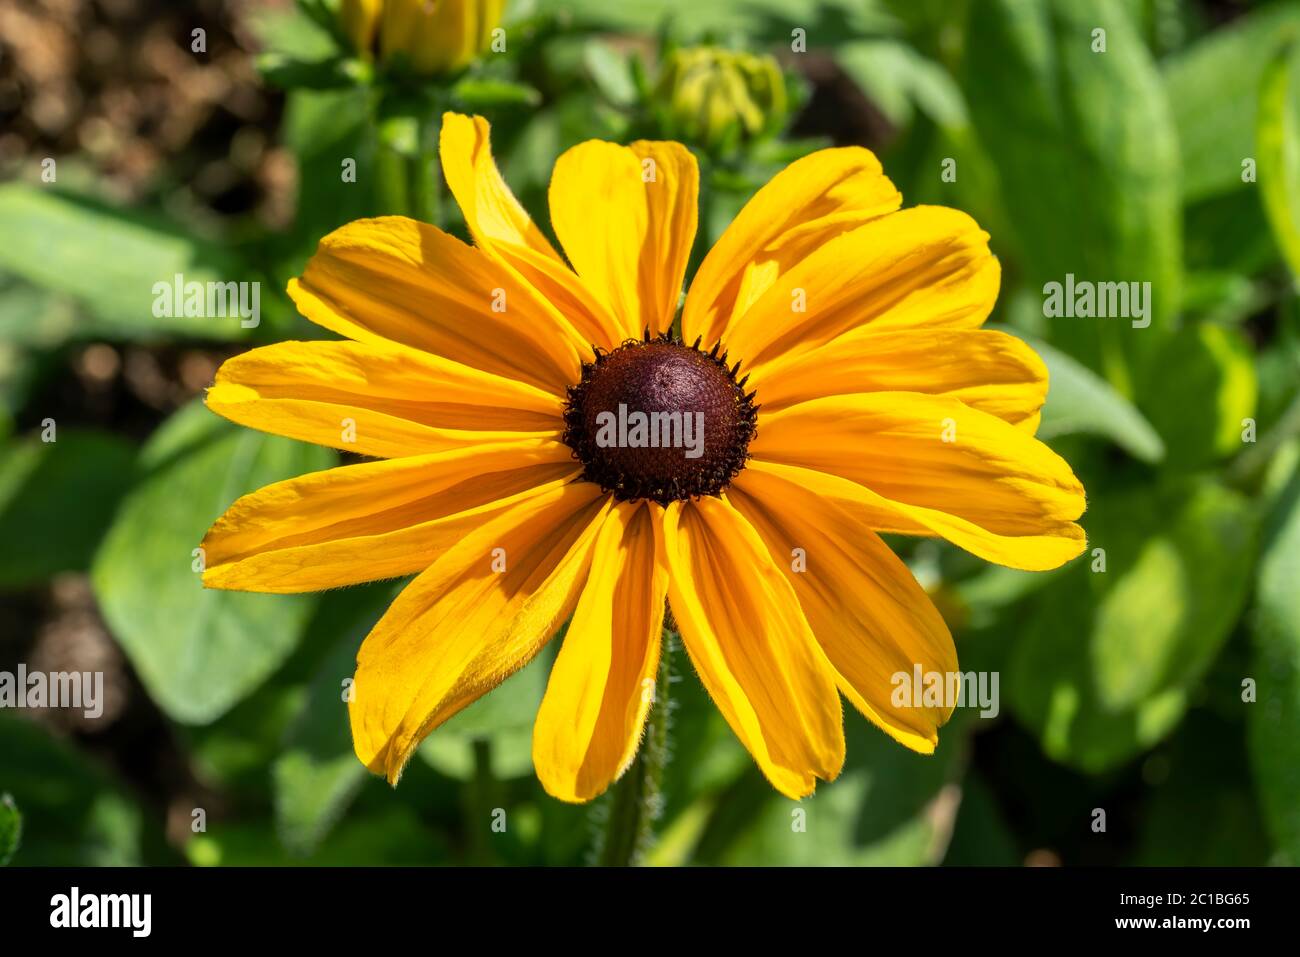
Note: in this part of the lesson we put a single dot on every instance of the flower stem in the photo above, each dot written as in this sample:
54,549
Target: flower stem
393,187
636,800
426,171
479,798
407,168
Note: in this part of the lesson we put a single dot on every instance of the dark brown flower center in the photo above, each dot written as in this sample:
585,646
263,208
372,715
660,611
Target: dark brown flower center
661,420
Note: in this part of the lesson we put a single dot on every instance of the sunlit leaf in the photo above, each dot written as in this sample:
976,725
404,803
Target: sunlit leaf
1275,716
900,81
1214,91
1199,392
889,807
116,263
1106,660
1079,400
477,95
1277,138
197,650
1087,157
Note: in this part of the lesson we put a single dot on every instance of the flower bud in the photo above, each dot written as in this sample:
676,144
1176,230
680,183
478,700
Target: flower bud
720,98
427,37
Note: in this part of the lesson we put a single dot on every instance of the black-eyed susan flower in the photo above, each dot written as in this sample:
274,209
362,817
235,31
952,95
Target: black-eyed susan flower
830,346
429,37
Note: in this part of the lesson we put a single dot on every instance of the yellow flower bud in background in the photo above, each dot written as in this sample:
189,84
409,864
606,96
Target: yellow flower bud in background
430,37
360,19
720,98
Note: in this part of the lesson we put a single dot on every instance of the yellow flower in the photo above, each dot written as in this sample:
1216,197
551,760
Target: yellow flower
477,377
431,36
718,98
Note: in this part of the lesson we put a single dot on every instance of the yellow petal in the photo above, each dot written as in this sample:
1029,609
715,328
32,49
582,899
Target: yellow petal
489,16
808,203
374,520
504,231
964,474
360,20
926,267
602,683
626,217
377,399
866,610
463,626
751,646
987,370
491,211
393,279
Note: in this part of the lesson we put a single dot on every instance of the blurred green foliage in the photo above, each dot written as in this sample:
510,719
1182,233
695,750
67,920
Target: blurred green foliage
197,650
1157,675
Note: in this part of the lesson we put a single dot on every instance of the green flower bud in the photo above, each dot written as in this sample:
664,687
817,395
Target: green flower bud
720,99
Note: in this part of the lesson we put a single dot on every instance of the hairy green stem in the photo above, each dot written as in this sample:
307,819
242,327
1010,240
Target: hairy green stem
479,807
426,171
392,185
636,800
409,176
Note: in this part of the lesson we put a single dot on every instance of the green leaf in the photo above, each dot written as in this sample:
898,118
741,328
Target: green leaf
476,94
706,756
1177,588
1080,401
1087,156
311,794
73,813
307,33
393,835
901,81
110,260
981,836
318,774
1277,139
1228,232
323,13
1200,410
611,72
11,828
34,317
197,651
1201,776
889,807
324,129
290,73
57,499
16,377
1106,658
1224,297
234,752
753,19
1274,720
1214,92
